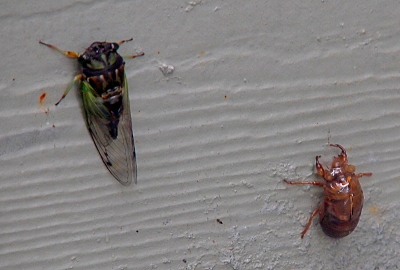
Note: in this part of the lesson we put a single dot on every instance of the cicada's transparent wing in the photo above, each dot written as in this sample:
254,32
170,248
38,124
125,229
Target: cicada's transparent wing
118,154
126,133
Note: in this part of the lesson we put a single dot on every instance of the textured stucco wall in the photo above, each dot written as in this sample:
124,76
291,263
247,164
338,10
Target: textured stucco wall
258,90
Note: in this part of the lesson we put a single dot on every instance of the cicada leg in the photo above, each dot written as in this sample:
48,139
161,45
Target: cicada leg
125,40
77,78
134,55
69,54
130,56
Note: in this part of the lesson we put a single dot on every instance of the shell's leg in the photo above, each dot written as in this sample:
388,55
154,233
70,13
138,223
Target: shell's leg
317,210
313,214
314,183
320,169
343,155
363,174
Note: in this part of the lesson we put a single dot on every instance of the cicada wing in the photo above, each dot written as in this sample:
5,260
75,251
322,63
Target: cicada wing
118,154
126,132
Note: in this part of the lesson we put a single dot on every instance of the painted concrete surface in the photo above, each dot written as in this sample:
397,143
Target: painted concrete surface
229,99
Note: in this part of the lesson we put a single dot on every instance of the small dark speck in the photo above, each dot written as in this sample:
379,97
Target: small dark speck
137,231
184,260
219,221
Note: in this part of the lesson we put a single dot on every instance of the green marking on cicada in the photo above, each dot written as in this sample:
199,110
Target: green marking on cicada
104,90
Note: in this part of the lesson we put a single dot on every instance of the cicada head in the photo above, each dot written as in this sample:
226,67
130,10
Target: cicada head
100,56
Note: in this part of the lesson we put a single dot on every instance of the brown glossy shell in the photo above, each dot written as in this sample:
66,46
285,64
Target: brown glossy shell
341,208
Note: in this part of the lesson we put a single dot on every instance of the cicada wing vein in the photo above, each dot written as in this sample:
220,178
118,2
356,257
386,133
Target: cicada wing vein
117,154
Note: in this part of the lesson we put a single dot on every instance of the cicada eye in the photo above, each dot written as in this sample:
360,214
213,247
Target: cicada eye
114,47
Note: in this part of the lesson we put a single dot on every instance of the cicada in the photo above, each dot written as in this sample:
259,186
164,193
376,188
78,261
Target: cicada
104,91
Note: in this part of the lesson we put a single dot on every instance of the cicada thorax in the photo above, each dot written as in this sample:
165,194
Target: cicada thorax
104,69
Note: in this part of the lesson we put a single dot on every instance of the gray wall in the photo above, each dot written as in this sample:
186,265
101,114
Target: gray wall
258,90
